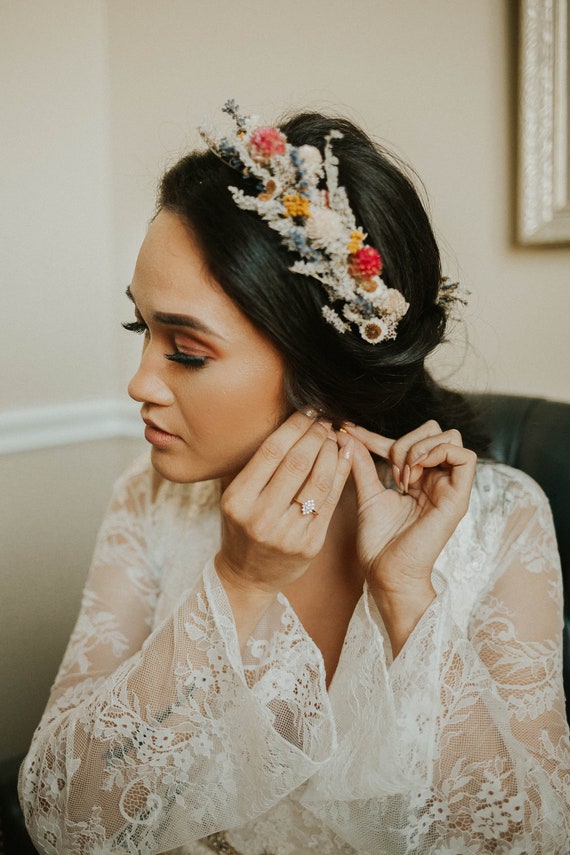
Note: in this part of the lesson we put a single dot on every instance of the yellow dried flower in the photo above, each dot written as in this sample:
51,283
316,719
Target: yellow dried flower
297,206
355,242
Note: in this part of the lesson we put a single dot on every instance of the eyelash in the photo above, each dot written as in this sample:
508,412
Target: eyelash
188,360
135,326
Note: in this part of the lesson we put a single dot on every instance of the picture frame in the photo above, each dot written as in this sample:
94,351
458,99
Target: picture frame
543,215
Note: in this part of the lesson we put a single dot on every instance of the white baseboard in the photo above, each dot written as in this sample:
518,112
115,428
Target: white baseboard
65,424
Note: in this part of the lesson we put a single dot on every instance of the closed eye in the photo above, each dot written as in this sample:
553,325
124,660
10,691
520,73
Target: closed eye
189,360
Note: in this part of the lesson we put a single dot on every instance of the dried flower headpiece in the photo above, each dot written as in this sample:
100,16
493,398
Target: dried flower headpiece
317,224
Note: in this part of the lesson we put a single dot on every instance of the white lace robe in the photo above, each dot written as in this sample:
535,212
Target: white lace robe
160,732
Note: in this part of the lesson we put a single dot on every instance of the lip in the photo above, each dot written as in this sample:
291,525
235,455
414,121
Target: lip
157,436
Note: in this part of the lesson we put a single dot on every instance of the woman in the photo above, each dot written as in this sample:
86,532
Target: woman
364,657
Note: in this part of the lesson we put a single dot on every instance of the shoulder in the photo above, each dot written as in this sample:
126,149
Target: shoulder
507,508
143,488
501,493
494,480
503,503
515,519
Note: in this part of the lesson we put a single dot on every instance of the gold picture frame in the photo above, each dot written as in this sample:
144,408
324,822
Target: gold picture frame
544,123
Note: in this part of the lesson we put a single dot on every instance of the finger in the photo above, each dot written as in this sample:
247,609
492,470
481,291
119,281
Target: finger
366,480
419,450
341,473
298,464
461,463
400,448
318,481
263,464
421,447
374,442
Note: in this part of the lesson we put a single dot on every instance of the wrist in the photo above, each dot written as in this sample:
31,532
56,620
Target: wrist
401,609
248,601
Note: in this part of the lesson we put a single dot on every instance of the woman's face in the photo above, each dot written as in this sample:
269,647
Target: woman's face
210,384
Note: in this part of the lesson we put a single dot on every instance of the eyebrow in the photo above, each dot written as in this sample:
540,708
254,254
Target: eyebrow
176,320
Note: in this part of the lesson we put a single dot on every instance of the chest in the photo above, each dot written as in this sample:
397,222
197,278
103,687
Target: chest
324,600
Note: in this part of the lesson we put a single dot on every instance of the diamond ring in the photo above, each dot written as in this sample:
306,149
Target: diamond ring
307,507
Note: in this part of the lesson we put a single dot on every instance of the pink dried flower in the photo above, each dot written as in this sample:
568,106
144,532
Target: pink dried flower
266,142
365,263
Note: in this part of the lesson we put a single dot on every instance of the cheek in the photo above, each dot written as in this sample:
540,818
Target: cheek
253,402
235,407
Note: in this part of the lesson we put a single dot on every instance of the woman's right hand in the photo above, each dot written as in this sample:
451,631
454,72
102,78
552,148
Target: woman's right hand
267,541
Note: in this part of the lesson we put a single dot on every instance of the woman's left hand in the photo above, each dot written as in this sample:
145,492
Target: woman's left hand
400,534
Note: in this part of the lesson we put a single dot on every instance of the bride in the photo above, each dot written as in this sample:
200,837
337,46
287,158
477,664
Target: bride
314,622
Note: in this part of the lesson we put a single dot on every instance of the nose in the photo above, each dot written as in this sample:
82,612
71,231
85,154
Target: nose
147,386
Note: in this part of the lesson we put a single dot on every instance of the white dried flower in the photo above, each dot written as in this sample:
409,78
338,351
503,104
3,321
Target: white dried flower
312,160
334,319
376,330
324,227
314,221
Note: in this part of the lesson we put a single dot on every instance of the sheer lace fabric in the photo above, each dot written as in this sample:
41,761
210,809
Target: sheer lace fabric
159,731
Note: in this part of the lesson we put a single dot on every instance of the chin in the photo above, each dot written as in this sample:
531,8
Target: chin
176,470
192,472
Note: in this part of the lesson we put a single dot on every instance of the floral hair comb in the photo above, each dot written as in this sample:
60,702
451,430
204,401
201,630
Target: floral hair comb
300,198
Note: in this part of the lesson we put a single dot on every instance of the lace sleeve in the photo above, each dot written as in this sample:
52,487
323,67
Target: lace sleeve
466,747
152,739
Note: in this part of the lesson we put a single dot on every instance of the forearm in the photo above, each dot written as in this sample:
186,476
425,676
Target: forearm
160,729
436,727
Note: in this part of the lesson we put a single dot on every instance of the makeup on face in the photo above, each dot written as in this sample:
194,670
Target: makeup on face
210,384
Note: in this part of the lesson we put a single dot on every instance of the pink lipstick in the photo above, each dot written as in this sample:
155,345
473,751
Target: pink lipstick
158,437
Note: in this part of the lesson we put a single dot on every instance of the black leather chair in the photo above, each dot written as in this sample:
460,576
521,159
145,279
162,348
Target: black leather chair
531,434
14,839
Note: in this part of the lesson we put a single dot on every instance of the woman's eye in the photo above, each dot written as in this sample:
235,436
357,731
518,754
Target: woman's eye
190,360
135,326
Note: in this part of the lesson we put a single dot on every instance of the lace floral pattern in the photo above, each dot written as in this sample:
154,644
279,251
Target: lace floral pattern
160,732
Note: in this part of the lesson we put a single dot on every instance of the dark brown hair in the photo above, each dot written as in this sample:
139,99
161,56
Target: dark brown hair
384,387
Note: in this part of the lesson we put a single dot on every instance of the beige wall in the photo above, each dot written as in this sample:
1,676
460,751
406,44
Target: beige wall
50,510
57,336
434,78
97,98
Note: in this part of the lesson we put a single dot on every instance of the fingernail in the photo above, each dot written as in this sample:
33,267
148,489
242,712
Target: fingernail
396,474
332,435
406,477
310,413
325,423
347,450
